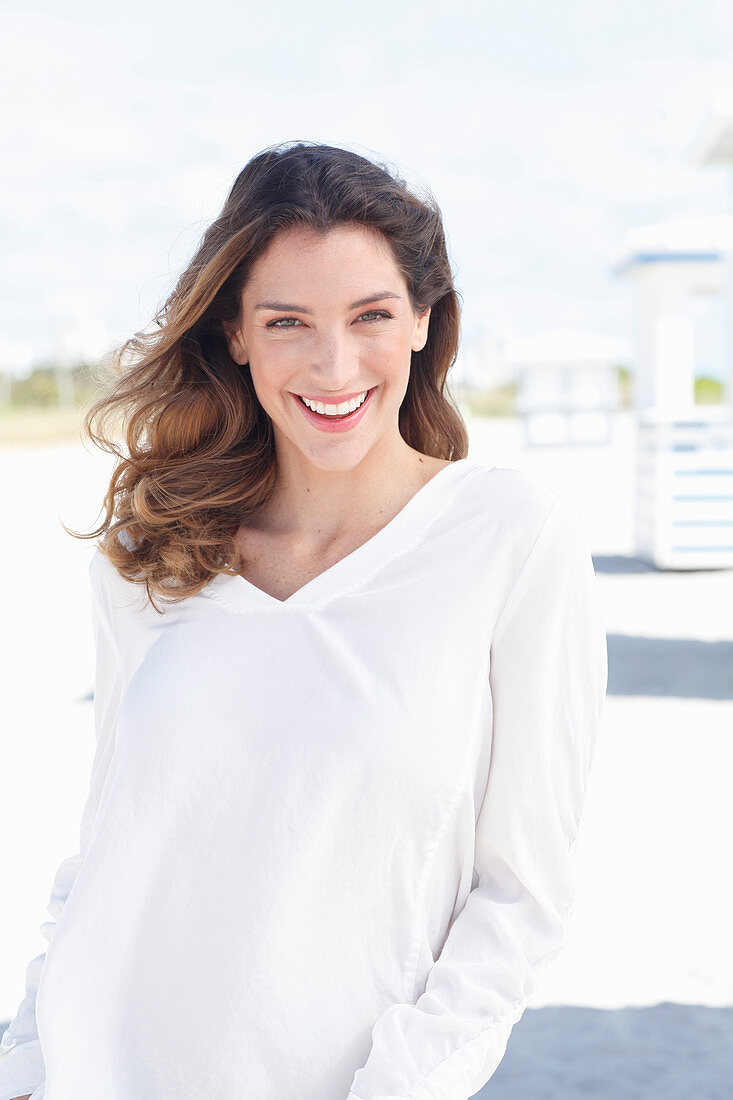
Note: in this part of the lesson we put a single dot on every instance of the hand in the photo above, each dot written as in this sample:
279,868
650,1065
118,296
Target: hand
26,1097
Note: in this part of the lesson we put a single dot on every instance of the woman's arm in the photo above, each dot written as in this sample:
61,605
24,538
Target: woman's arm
548,677
21,1058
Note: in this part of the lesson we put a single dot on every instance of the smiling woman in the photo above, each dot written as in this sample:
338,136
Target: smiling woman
326,851
272,308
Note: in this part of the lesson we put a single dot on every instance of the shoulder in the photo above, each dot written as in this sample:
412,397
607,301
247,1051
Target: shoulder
513,502
112,589
126,612
107,580
517,515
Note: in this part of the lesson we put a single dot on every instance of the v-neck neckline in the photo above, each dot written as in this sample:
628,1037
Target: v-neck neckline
242,594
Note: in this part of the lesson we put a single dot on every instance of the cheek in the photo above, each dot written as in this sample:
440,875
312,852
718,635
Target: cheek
271,367
392,357
392,348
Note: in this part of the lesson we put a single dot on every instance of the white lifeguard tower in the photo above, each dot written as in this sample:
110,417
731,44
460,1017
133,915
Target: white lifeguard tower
713,146
567,385
684,457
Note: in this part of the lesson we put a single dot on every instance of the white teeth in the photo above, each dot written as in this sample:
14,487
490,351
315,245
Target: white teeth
335,410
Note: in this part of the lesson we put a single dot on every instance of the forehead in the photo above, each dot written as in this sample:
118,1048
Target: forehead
301,251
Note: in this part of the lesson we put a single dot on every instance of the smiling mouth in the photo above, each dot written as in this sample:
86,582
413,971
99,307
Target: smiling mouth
330,409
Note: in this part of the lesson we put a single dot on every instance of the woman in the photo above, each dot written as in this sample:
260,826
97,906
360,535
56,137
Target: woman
347,691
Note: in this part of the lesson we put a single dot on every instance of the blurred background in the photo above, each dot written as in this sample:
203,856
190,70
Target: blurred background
582,155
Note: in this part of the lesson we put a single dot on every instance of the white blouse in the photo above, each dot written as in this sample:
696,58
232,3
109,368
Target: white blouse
327,847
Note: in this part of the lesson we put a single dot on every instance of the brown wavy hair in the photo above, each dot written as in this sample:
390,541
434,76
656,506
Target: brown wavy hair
198,452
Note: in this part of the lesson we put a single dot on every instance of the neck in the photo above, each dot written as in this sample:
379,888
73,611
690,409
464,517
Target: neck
313,505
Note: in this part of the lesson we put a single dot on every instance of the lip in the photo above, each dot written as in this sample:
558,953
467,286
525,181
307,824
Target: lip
326,425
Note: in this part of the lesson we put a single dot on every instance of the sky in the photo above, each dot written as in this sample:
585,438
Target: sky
544,131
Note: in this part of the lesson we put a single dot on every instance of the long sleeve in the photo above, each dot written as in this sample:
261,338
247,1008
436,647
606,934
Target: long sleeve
548,678
22,1067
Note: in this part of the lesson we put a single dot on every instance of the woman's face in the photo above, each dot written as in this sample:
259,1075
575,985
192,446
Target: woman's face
328,317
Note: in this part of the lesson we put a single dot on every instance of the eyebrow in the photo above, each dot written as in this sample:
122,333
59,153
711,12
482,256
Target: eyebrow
304,309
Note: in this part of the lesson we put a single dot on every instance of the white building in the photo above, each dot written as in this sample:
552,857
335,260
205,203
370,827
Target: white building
681,273
678,272
567,384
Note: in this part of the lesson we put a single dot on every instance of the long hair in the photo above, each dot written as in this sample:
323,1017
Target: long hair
199,452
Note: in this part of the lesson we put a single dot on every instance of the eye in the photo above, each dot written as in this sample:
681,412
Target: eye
375,314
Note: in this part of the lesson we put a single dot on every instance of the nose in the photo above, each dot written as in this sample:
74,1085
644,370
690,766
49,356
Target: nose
335,362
